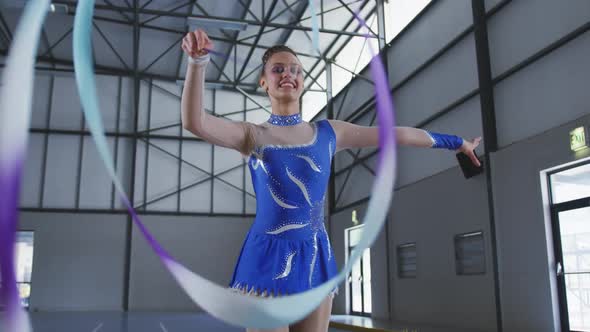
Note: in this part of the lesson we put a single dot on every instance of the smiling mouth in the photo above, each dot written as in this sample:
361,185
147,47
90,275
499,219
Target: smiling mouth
287,84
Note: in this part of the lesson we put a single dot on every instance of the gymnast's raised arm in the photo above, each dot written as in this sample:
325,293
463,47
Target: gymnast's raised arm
349,135
238,135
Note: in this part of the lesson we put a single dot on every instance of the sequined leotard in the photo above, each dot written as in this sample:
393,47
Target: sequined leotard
287,249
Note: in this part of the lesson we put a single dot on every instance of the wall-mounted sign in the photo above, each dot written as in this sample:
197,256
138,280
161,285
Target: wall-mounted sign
578,139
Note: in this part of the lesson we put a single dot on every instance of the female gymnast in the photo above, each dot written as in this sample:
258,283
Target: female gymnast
287,249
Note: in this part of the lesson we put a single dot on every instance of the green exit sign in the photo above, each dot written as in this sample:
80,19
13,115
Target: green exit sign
578,139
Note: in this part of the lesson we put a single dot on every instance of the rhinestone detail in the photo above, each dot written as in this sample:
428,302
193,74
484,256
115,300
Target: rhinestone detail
284,120
287,270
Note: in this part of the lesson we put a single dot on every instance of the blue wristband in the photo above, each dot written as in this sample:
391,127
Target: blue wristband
443,141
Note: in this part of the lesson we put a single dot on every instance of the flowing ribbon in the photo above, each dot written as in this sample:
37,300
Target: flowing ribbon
220,302
15,116
315,28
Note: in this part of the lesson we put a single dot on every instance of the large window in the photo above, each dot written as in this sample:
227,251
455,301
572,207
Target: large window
570,217
398,13
352,55
353,58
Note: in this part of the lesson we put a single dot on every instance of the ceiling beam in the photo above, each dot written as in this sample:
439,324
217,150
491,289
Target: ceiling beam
265,23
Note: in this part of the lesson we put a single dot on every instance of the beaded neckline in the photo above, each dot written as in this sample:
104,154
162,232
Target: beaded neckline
314,125
285,120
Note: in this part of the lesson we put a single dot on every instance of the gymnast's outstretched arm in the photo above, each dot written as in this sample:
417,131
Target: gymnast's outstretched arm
238,135
349,135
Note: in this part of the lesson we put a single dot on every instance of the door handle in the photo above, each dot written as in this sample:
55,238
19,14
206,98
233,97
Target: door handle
559,269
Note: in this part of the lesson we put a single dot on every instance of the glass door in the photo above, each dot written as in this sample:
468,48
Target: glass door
573,267
359,279
570,211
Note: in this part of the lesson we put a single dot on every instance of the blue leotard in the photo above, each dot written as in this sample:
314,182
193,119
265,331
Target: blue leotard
287,249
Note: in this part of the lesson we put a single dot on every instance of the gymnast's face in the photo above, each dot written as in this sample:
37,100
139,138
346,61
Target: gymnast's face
282,77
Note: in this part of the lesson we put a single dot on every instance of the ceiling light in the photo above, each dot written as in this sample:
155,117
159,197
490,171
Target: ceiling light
58,8
197,22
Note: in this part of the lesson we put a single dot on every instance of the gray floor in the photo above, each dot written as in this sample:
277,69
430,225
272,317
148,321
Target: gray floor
359,321
175,322
130,322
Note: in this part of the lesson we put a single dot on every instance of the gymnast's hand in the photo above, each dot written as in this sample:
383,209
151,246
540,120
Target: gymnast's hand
468,147
196,43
